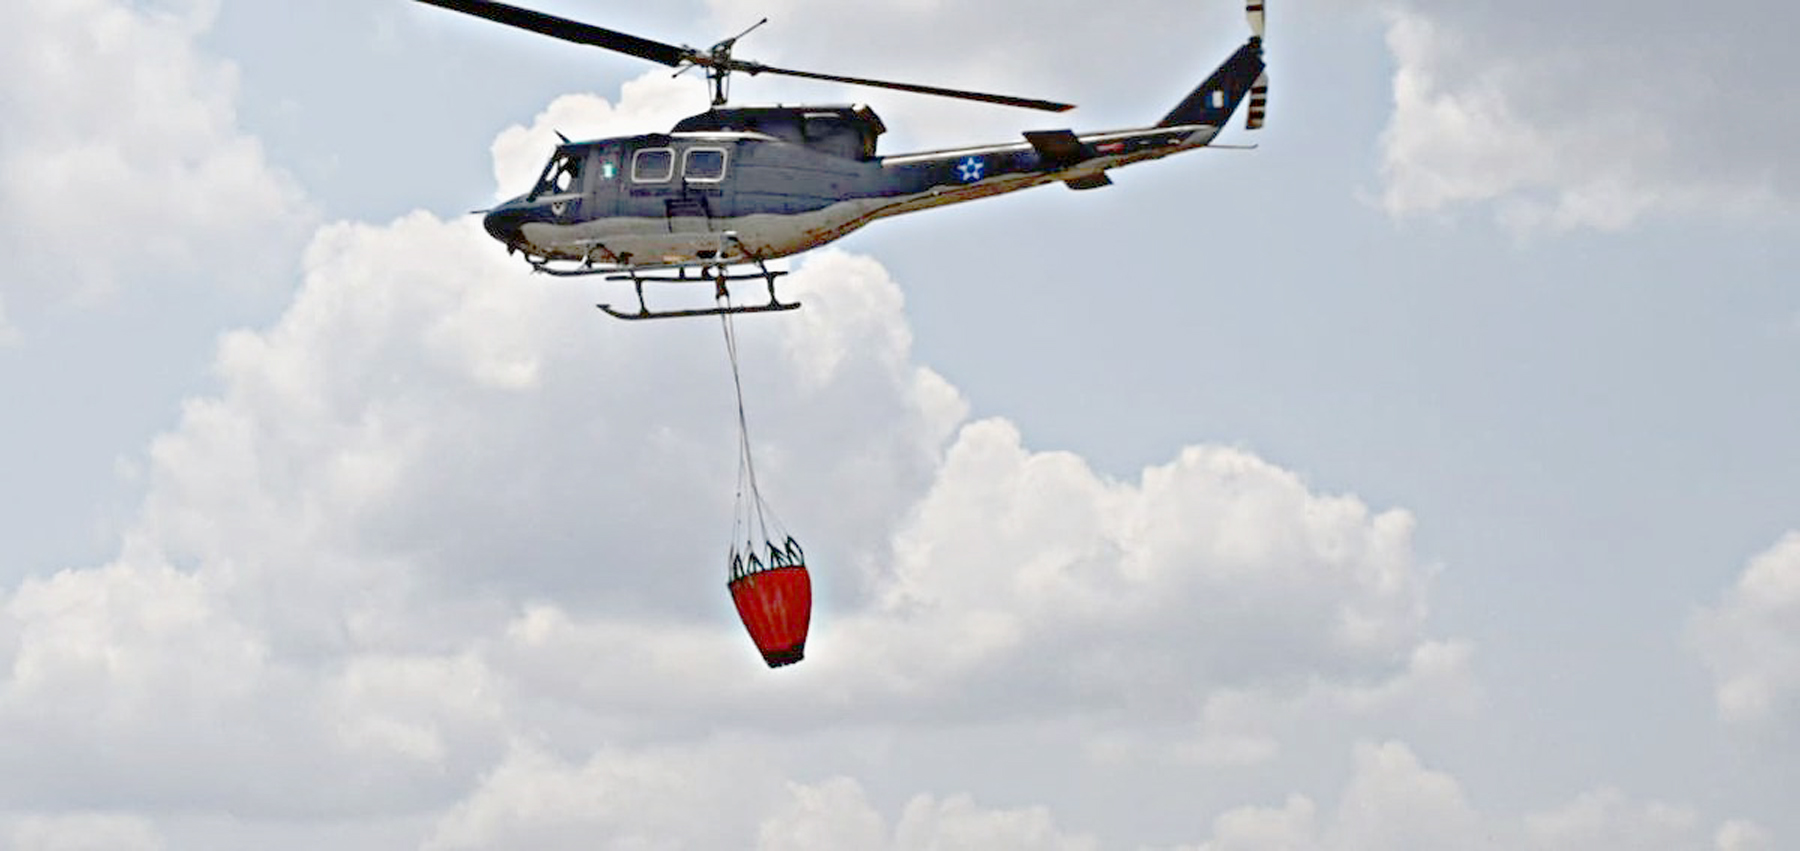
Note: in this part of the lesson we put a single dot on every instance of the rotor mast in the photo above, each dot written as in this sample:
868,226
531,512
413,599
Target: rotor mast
719,65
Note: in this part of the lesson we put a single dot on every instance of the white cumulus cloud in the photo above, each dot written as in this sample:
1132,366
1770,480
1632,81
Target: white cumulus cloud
1558,119
121,153
439,508
1394,802
1750,640
83,832
447,542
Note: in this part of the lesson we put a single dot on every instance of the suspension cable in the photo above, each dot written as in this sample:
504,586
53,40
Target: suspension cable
757,510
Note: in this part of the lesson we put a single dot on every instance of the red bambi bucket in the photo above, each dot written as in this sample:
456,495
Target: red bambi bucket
776,606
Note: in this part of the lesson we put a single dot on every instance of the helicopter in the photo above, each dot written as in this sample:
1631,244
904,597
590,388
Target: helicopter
727,190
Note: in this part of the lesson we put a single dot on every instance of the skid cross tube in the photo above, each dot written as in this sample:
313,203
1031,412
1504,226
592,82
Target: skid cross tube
719,276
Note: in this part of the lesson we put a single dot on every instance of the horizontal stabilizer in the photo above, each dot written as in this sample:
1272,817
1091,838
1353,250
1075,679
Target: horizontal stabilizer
1056,147
1092,181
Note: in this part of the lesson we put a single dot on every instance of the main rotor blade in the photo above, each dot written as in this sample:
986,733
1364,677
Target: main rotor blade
1004,100
672,56
567,30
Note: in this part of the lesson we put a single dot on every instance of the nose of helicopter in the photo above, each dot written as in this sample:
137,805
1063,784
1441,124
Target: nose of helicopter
507,224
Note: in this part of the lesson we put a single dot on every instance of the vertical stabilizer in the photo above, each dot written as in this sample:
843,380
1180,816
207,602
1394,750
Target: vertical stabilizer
1215,100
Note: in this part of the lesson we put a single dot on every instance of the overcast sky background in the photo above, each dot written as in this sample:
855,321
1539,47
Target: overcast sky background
1423,479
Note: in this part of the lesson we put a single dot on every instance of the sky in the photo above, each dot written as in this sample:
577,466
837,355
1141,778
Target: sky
1423,478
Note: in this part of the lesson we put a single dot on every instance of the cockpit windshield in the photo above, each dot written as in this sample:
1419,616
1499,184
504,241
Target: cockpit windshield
561,176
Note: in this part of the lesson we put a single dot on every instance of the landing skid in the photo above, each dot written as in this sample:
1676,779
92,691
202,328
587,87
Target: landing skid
711,311
718,276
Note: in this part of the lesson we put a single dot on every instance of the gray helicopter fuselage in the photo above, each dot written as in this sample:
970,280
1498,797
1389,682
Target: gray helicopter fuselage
668,199
742,184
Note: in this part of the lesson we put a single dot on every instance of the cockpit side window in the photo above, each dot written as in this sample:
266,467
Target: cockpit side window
561,176
652,165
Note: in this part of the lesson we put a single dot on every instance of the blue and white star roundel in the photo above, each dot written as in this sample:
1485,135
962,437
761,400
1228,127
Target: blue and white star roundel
970,168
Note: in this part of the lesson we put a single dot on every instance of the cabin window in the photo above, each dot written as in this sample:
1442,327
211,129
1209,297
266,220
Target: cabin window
652,165
703,165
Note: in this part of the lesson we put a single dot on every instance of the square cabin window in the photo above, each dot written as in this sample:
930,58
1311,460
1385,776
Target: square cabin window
704,165
652,165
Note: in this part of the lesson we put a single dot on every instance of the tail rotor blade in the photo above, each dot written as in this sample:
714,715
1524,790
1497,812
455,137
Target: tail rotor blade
1258,107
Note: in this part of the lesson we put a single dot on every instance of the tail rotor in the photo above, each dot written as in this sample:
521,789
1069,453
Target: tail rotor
1257,109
